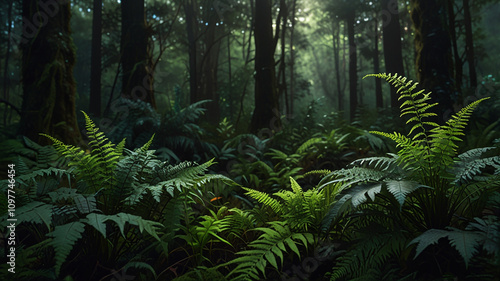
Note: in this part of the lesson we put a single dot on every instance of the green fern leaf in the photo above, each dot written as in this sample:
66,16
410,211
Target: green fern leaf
265,199
35,212
98,222
400,189
122,218
271,244
464,241
64,238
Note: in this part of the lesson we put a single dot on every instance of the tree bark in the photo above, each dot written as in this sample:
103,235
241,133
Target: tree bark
433,54
453,36
95,60
353,71
391,41
379,101
6,79
192,49
469,45
49,88
137,79
266,113
336,59
292,59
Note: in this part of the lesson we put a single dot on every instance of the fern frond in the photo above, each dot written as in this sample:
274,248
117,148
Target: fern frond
63,240
379,163
465,242
367,258
34,212
471,164
444,138
265,199
271,244
310,142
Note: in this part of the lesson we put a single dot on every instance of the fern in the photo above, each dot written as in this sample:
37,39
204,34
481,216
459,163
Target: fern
428,151
64,238
465,242
368,259
97,167
268,249
473,163
301,209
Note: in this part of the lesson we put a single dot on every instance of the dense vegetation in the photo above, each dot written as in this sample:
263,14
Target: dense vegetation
243,146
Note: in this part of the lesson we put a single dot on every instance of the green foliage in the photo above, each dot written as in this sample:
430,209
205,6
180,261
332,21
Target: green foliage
371,258
177,134
302,210
207,231
271,245
424,189
117,203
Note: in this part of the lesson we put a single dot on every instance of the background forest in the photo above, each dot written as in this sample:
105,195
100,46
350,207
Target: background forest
250,140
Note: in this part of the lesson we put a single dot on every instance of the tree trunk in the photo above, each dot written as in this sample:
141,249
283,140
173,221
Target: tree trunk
49,88
283,93
192,49
95,61
379,101
6,79
433,54
336,62
137,79
453,36
391,41
292,59
469,45
353,71
209,69
266,113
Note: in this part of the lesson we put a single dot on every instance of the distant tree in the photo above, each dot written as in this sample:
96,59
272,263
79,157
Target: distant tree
353,68
204,41
379,101
266,113
137,79
393,55
95,60
469,44
49,89
434,62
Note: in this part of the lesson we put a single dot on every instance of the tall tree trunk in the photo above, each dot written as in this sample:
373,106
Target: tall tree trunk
336,62
379,101
95,60
266,113
191,27
433,59
469,45
282,88
391,41
6,79
292,58
353,71
137,79
49,88
453,36
209,69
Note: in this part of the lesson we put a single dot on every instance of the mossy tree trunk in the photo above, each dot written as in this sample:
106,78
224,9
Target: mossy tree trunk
433,54
266,114
137,79
49,88
95,60
391,41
